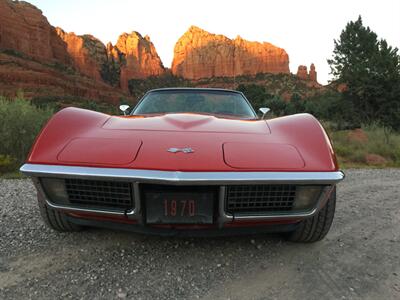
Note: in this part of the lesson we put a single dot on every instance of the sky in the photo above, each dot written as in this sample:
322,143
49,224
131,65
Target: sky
305,29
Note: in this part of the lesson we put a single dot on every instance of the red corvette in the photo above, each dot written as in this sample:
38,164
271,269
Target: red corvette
186,161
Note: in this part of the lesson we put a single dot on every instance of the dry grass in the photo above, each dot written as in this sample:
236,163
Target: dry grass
352,153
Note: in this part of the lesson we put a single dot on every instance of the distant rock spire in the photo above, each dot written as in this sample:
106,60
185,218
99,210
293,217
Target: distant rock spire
313,73
303,73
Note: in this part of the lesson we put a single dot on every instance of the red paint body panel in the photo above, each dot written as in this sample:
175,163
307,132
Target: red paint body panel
262,155
205,134
97,151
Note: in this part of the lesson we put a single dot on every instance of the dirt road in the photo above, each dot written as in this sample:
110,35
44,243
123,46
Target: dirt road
359,259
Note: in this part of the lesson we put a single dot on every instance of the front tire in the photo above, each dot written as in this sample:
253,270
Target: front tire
316,228
56,220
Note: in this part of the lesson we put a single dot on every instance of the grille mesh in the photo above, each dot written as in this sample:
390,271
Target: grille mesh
95,193
260,198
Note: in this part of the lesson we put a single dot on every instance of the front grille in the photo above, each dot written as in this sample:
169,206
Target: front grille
96,193
260,198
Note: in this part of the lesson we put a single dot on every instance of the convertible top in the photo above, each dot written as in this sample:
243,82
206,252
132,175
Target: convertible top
194,90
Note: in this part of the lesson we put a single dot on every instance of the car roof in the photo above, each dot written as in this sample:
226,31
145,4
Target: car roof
195,90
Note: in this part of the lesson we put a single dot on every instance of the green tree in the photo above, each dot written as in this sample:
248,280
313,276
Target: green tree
295,105
277,106
370,70
256,94
110,72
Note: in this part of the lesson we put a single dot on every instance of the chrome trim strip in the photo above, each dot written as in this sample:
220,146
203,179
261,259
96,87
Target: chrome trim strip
79,209
135,213
183,178
223,216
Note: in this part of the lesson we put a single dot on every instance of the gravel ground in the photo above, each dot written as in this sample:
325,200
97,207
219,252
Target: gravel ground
359,259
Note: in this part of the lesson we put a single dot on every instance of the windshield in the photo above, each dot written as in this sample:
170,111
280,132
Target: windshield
205,102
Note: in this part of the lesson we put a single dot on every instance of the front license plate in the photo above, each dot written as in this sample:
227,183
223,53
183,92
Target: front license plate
169,207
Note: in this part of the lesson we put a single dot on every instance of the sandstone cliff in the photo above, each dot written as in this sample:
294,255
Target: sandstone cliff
137,57
87,53
132,57
43,61
24,29
27,37
200,54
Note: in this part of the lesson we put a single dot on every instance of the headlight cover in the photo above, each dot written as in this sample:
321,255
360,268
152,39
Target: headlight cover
55,190
306,197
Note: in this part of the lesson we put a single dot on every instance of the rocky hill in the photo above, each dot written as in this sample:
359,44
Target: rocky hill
200,54
137,56
88,54
42,60
24,29
132,57
45,61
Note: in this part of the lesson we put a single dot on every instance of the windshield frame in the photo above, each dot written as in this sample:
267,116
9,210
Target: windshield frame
204,90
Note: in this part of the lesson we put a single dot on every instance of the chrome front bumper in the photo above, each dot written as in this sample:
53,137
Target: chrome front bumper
328,179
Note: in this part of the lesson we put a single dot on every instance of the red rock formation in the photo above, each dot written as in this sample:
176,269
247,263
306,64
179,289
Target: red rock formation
44,61
137,56
88,53
36,60
113,53
313,73
357,135
200,54
24,29
36,79
375,159
302,72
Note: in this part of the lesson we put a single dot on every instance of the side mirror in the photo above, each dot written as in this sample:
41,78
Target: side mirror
264,111
124,108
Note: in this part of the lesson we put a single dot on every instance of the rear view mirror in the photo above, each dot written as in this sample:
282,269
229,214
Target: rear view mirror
264,111
124,108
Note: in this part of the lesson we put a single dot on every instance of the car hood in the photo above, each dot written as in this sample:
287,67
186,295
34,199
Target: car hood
149,143
217,144
188,123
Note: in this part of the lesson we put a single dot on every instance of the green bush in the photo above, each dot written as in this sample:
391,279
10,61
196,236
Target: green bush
20,123
110,72
379,141
55,103
256,94
7,163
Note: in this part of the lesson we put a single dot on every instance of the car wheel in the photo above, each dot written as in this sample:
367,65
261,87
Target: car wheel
315,229
56,220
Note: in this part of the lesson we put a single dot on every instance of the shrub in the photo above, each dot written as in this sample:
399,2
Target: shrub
13,53
110,72
20,123
7,163
56,103
138,87
354,152
256,94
